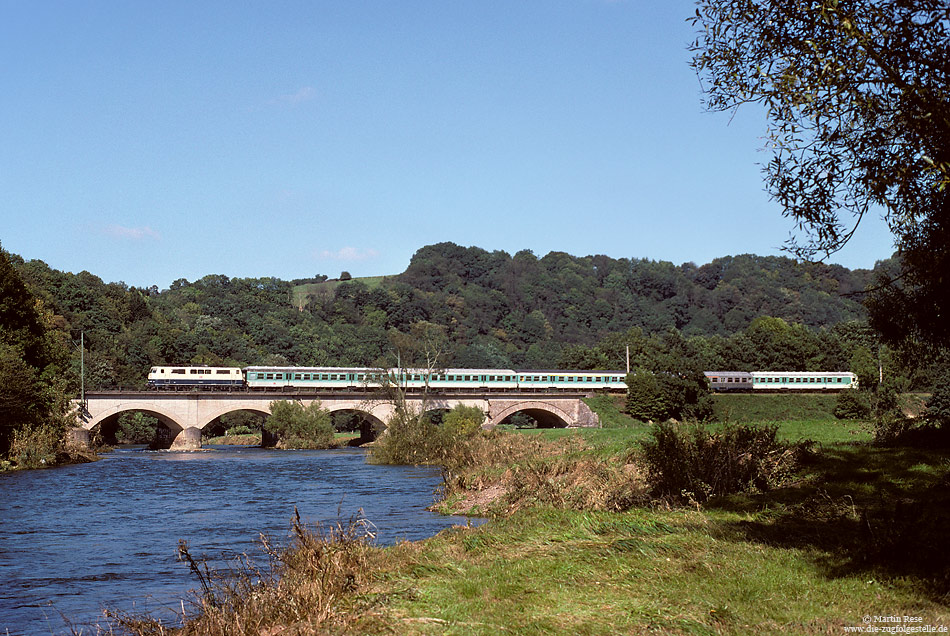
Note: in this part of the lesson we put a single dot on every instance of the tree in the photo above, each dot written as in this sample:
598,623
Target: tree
299,426
645,398
858,98
32,360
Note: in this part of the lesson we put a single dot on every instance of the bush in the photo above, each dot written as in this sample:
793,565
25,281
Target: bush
297,426
412,438
852,405
462,421
39,447
694,463
890,427
409,439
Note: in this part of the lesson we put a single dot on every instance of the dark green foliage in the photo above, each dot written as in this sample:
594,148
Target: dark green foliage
856,94
136,428
644,399
32,361
890,427
675,388
491,310
248,421
852,405
696,463
938,406
21,403
299,426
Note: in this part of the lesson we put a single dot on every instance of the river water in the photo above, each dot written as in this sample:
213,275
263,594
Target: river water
79,539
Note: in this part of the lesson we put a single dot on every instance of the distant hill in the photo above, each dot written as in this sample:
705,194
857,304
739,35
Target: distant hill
489,308
304,293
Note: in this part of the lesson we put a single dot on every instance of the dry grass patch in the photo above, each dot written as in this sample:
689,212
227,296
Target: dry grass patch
500,473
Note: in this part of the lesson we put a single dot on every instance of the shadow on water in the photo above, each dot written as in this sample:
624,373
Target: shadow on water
105,535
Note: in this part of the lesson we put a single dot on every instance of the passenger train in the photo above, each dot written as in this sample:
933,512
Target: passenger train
363,378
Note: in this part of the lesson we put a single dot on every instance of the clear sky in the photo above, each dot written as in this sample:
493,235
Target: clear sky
151,141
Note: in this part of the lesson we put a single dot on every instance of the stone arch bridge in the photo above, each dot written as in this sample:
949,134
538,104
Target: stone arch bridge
185,414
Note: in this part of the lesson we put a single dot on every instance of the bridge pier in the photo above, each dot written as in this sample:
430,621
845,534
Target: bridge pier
78,438
188,439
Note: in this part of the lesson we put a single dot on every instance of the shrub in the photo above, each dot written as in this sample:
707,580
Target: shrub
462,421
890,427
695,463
317,585
412,438
852,405
409,439
37,447
297,426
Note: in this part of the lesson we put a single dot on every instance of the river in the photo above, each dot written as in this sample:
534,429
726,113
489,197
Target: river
79,539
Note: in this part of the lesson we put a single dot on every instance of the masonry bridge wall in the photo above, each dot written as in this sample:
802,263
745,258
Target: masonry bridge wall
186,414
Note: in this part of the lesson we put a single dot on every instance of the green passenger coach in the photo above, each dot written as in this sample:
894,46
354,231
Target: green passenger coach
803,381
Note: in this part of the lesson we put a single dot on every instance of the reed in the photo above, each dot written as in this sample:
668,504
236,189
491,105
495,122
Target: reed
311,587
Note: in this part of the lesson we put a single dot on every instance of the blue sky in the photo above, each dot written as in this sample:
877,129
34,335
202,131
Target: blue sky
146,142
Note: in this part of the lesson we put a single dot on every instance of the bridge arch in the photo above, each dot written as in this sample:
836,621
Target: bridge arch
149,408
214,414
107,424
545,414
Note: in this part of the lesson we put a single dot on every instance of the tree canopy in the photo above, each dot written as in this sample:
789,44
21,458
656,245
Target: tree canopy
858,101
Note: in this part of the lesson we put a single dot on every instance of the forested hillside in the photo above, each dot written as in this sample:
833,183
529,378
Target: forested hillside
482,309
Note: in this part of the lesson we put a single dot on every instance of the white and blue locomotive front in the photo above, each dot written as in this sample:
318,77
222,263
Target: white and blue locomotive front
181,377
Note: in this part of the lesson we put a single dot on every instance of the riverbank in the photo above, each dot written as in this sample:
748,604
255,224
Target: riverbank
858,532
43,448
341,440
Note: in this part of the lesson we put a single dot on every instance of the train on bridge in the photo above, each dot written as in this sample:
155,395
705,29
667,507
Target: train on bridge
363,378
262,378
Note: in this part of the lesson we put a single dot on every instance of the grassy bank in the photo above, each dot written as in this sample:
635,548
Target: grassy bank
860,531
578,544
43,447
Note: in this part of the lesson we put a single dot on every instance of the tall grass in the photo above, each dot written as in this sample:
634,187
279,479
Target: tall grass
312,587
43,447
